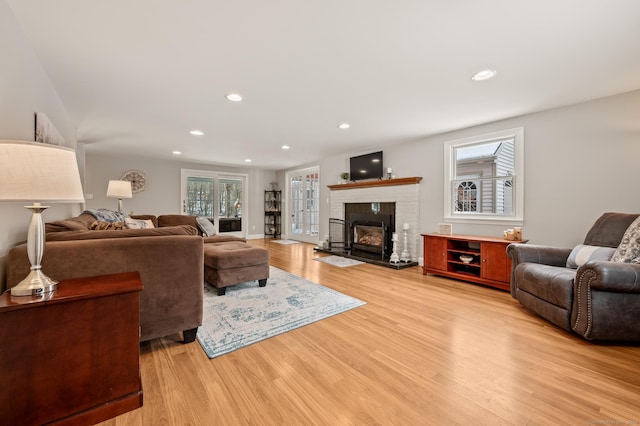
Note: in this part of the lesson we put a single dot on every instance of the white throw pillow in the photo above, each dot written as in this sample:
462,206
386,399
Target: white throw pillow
206,226
582,254
131,223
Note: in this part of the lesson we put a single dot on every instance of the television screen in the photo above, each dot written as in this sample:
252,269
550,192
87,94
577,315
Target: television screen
368,166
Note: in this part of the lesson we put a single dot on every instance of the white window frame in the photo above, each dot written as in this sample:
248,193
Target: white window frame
517,215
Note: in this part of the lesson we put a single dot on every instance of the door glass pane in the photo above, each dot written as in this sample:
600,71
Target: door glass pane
200,195
312,204
296,211
230,204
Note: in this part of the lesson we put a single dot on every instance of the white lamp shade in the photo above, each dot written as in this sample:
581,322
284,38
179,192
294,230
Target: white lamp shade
31,171
119,189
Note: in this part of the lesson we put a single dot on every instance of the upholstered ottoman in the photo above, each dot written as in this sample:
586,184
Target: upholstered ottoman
235,262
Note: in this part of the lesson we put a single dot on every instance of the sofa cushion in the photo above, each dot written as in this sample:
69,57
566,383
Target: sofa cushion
205,225
582,254
609,229
553,284
176,219
78,223
629,249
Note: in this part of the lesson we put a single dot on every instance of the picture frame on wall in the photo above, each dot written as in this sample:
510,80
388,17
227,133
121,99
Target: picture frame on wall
45,131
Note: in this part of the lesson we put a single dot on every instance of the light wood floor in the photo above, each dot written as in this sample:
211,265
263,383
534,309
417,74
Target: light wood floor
424,350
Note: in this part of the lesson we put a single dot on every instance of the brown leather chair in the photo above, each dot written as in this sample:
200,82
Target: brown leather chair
599,300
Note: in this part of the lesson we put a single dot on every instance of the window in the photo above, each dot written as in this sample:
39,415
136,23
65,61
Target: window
484,177
215,195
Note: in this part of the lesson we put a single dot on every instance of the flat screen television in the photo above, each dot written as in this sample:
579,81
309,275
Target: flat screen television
367,166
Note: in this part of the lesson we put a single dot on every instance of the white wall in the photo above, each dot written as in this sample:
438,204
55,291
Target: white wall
580,161
162,194
24,90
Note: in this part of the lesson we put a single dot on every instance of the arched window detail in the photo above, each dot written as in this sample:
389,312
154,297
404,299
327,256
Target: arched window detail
466,197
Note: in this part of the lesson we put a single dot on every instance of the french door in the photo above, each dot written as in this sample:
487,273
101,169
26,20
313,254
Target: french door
220,197
303,195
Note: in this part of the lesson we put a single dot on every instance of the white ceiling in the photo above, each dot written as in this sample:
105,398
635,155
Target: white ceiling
137,75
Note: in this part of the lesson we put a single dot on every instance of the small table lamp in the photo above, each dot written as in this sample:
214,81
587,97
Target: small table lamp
35,172
119,189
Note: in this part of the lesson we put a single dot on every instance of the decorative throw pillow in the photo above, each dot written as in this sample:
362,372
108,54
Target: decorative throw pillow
582,254
629,249
138,223
206,226
100,225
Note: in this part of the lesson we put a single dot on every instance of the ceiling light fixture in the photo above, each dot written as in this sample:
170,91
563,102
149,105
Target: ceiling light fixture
234,97
285,147
484,75
176,152
344,126
197,132
247,160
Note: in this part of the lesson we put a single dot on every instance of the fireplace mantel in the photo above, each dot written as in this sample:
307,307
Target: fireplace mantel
372,183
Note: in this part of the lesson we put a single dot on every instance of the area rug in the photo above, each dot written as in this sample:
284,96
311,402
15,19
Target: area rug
247,314
285,242
339,261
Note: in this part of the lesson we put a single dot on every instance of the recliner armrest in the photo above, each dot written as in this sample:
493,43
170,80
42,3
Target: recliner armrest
531,253
610,276
520,253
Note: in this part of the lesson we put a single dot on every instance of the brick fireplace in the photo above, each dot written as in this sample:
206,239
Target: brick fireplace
403,194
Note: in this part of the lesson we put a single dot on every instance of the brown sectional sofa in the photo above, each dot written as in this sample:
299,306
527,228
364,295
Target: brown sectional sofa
169,259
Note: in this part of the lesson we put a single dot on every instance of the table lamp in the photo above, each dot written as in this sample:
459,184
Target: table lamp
37,172
119,189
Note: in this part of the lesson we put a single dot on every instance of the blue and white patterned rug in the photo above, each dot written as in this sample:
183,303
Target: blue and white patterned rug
247,313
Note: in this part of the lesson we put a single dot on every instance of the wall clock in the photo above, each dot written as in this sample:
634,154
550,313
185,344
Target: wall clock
137,179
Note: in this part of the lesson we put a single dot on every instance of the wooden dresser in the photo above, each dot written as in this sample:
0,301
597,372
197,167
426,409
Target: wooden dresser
489,263
71,357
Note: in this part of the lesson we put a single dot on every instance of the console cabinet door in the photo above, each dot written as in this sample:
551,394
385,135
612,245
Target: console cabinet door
435,253
496,265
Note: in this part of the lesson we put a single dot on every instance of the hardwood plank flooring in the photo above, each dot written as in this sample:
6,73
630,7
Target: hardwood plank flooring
424,350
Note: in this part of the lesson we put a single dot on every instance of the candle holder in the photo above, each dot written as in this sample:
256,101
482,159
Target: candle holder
405,256
394,255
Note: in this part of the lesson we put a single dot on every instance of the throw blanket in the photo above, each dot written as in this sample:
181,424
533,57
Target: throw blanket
106,215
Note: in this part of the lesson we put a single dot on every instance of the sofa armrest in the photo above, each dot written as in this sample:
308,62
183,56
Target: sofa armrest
530,253
606,300
610,276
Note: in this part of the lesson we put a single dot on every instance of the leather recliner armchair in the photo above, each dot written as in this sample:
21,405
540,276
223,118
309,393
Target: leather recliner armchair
598,300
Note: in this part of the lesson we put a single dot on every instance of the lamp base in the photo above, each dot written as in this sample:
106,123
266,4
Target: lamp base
36,283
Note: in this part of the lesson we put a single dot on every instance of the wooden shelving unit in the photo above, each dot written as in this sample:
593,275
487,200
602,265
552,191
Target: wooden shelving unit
490,264
272,213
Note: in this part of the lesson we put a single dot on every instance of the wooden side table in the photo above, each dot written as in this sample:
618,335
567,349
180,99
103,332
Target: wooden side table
73,356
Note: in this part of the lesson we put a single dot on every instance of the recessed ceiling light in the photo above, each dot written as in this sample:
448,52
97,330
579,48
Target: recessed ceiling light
344,126
285,147
176,152
247,160
234,97
484,75
197,132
